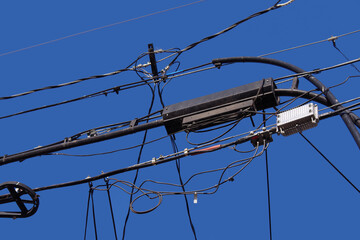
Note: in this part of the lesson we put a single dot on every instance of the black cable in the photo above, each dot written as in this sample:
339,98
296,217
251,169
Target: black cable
307,75
343,54
93,210
111,208
192,45
150,163
87,214
138,161
104,153
177,163
268,186
330,163
105,92
222,134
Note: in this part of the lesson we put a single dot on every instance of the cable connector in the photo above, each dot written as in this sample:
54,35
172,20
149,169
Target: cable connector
195,197
297,119
261,138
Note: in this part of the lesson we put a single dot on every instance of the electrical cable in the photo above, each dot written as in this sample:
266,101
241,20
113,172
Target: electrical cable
343,54
108,91
346,117
98,28
177,163
161,160
111,208
330,163
211,140
105,92
192,45
316,71
268,187
93,211
87,215
109,152
309,44
138,162
337,112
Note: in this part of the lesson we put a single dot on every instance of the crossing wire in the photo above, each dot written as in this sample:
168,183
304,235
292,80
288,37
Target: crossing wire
98,28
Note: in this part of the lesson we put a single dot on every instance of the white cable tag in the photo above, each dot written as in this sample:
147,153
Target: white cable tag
195,198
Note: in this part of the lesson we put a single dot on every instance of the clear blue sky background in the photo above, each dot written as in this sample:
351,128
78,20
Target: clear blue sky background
309,199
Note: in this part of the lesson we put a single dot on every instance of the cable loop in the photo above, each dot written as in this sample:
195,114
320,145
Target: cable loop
159,195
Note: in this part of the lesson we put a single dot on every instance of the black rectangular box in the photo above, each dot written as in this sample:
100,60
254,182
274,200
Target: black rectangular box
220,107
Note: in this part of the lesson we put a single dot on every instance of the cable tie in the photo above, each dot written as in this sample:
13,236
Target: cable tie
332,38
195,198
186,151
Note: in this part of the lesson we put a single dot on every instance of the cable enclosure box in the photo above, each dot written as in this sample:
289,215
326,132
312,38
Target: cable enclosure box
220,107
297,119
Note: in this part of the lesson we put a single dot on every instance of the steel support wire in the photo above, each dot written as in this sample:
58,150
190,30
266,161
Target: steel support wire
345,115
78,142
330,163
67,144
153,162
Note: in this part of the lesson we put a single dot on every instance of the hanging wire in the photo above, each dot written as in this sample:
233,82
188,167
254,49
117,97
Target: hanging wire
309,44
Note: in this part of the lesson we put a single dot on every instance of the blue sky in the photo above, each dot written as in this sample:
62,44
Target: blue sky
308,198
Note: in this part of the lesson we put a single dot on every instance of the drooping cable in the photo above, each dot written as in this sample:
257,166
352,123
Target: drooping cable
111,208
87,213
343,54
93,210
177,163
138,161
311,144
268,185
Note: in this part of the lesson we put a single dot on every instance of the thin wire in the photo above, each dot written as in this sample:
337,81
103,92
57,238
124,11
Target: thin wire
343,54
105,92
146,164
340,103
192,45
268,185
110,152
339,111
177,162
87,214
93,211
138,162
309,44
98,28
330,163
111,208
319,70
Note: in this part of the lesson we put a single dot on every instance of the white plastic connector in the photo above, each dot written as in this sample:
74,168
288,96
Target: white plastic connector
195,198
297,119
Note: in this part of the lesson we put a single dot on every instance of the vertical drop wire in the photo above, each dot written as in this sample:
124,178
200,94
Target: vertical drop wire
111,208
268,183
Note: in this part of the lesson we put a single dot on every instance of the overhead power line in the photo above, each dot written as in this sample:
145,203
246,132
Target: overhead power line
99,28
312,43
